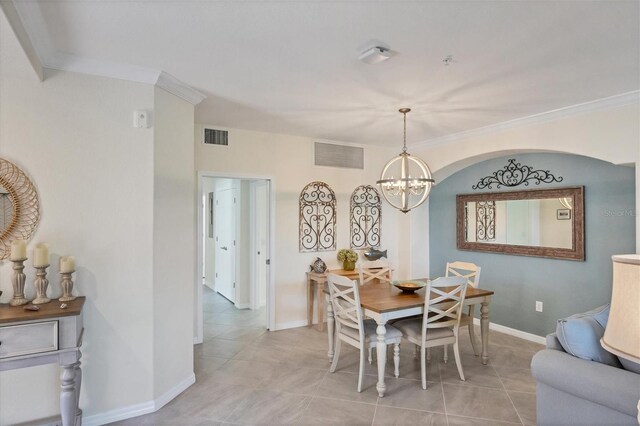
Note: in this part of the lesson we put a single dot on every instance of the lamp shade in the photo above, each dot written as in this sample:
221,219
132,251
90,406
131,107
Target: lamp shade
622,335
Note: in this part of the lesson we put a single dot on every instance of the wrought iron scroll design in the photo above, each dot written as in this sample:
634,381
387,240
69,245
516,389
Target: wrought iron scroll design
317,218
366,214
485,220
514,174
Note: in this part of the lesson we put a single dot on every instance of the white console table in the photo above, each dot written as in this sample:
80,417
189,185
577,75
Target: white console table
50,335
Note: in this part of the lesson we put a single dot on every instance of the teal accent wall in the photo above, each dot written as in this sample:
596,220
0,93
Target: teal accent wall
565,287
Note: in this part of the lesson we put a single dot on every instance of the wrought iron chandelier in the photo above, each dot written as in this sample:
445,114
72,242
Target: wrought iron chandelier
413,184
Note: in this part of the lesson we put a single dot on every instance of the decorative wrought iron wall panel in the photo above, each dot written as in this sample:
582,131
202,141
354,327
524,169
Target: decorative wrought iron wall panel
366,214
485,220
514,174
317,218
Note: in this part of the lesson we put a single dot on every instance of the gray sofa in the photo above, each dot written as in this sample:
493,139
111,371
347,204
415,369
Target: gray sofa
574,391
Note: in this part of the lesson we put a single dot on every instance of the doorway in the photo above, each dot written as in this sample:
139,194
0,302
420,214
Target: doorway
234,245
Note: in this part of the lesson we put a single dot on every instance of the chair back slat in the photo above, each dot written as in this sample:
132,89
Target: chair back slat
371,270
438,314
467,270
345,300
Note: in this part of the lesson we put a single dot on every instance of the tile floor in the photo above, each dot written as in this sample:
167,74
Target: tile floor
247,375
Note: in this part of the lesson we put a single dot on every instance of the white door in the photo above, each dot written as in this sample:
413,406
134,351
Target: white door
225,228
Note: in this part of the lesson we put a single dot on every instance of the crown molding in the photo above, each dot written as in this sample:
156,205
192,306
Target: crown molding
17,25
73,63
33,23
178,88
35,28
602,104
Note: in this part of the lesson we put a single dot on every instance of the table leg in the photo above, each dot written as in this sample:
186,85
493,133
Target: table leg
68,394
309,301
320,297
484,329
381,352
330,327
78,420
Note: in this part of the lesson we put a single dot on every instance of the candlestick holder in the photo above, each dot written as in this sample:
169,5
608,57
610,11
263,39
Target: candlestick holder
41,284
67,286
18,280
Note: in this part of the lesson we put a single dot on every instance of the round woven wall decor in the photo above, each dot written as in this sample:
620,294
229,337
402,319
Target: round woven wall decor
26,208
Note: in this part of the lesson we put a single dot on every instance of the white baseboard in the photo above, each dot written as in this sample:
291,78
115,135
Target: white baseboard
119,414
242,306
166,397
197,340
492,326
513,332
290,324
139,409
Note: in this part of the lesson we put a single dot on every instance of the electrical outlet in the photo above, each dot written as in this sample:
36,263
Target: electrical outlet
538,306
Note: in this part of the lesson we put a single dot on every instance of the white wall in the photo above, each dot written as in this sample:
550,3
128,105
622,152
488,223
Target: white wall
288,160
611,135
73,135
174,232
121,200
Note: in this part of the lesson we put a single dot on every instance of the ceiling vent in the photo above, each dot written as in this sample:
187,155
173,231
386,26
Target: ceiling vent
331,155
216,137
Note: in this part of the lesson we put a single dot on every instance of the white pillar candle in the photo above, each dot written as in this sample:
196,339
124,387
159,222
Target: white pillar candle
41,255
18,249
67,264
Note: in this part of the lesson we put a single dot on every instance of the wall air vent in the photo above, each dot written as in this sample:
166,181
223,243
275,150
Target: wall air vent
216,137
331,155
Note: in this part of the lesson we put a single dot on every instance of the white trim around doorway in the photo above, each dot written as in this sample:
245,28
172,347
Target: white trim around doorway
271,293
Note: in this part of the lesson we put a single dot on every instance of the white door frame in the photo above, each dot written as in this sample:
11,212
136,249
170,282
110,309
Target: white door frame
271,292
253,294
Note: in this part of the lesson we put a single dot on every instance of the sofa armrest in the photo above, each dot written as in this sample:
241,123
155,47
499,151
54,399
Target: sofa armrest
602,384
554,343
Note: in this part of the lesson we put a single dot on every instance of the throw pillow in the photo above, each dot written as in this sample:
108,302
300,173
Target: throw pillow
580,336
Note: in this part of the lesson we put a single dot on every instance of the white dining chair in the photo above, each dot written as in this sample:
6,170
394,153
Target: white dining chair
352,329
440,323
471,273
371,270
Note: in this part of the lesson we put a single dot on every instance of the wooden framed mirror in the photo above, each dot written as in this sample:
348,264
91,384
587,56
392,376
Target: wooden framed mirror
19,206
539,222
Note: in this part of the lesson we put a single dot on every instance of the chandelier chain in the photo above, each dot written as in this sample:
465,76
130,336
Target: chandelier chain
404,146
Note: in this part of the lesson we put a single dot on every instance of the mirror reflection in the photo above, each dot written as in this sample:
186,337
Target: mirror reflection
541,222
535,222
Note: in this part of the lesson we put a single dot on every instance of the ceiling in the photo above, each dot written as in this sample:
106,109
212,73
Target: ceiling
291,66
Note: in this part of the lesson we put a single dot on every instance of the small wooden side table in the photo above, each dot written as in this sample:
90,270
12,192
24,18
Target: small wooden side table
47,336
318,281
